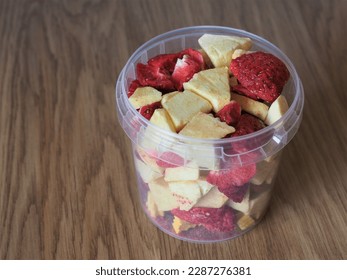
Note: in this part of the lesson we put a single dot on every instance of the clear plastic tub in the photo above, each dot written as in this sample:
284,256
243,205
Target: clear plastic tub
183,205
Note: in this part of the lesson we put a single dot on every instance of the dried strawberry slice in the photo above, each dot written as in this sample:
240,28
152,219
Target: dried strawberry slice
235,194
148,110
230,113
247,124
164,62
242,90
169,159
262,74
133,86
184,70
229,181
194,54
214,219
150,75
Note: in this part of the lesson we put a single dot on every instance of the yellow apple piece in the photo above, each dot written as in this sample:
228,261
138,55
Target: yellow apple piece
162,195
146,172
206,126
183,106
187,193
251,106
213,199
277,109
220,48
143,96
189,172
162,119
213,85
180,225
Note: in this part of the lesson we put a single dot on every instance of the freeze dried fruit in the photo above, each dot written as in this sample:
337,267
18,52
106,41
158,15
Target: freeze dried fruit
133,86
230,113
157,72
148,110
214,219
262,74
247,124
231,181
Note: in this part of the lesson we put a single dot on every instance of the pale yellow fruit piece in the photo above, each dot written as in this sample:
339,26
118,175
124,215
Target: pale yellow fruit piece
152,206
206,126
189,172
146,172
167,96
251,106
277,109
162,195
162,119
149,160
183,106
243,206
205,186
245,222
207,60
187,193
143,96
213,85
237,53
180,225
220,48
213,199
264,170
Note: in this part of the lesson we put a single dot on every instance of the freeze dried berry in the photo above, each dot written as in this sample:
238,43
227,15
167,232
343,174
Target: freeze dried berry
169,159
133,86
149,75
230,181
165,62
148,110
236,194
214,219
194,54
242,90
247,124
230,113
262,74
184,70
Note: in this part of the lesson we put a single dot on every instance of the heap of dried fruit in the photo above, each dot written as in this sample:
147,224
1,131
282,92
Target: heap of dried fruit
222,90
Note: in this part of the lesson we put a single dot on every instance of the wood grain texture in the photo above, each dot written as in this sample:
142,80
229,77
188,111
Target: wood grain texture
67,184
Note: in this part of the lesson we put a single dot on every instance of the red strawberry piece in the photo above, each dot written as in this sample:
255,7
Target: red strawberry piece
247,124
169,159
214,219
165,62
184,70
148,110
230,181
242,90
262,74
133,86
236,193
194,54
149,75
230,113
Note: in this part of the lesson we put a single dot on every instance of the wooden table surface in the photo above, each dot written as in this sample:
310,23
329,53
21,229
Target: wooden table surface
67,182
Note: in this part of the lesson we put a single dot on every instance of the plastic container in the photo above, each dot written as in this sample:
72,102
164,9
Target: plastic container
205,214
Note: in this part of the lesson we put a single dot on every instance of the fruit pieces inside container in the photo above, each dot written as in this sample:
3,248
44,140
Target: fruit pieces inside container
222,90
